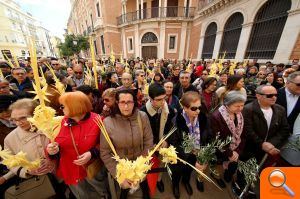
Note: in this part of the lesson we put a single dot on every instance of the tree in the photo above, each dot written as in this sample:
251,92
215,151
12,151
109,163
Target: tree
73,45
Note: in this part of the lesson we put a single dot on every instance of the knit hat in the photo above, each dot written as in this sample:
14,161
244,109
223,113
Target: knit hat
234,96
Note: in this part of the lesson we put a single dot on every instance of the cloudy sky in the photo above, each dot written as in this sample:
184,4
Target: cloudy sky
52,13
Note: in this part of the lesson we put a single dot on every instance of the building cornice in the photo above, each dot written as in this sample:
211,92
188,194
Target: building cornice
214,7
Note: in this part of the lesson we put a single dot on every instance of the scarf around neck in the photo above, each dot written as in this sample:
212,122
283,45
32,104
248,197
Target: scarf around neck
194,128
236,131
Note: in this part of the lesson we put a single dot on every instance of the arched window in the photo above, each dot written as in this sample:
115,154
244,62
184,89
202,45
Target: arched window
209,41
267,29
231,35
149,37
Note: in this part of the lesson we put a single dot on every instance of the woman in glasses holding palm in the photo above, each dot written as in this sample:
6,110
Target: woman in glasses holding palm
130,132
192,122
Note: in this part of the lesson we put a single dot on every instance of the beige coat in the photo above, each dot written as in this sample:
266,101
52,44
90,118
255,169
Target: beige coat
126,137
32,143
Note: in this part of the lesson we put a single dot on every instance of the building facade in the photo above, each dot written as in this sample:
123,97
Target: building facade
15,27
198,29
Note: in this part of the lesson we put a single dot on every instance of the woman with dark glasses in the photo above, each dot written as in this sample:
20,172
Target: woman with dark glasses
192,122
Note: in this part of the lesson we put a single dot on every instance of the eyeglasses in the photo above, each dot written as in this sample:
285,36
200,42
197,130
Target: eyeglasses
297,84
269,95
78,73
195,108
61,107
123,103
20,74
21,119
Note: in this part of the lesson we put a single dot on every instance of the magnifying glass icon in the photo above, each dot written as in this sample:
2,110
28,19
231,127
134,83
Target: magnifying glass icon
277,179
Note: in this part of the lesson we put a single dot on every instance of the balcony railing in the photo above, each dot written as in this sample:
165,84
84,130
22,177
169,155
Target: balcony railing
157,12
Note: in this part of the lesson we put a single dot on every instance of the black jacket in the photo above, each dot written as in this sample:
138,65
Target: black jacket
256,128
176,139
281,100
155,123
178,90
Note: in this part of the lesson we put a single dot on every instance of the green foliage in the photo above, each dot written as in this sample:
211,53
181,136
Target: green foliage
249,169
68,48
204,154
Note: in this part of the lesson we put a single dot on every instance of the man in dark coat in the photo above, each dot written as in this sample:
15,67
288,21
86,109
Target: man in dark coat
184,84
265,125
289,98
20,79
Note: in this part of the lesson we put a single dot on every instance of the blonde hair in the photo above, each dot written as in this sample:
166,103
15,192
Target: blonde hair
25,103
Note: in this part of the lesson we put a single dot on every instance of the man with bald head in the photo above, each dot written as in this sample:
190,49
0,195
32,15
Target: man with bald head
265,124
126,81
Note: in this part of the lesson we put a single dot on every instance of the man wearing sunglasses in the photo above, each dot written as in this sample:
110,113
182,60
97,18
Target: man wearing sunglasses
265,124
288,97
57,67
78,78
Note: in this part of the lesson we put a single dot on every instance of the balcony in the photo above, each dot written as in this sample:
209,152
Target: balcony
157,12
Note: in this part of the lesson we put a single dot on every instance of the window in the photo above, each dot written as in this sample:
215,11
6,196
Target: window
231,35
98,9
95,46
102,44
149,37
130,44
267,29
92,22
209,41
172,42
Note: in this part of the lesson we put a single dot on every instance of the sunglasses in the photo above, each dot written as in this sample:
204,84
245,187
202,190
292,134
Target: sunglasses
194,108
55,64
106,100
79,73
269,95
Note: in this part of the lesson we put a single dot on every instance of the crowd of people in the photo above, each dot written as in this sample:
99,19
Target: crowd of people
257,105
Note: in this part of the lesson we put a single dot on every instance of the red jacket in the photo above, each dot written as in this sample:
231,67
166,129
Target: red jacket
86,135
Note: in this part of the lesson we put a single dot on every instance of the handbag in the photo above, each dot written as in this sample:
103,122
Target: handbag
37,187
93,168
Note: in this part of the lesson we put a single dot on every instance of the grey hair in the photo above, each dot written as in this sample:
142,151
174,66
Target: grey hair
234,96
138,72
293,75
120,64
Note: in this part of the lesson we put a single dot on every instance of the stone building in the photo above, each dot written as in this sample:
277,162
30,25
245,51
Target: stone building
198,29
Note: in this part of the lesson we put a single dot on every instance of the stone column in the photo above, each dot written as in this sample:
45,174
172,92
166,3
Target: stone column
182,40
217,44
243,41
288,38
162,39
200,47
